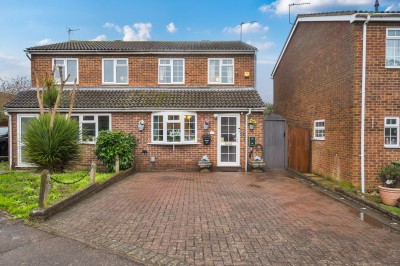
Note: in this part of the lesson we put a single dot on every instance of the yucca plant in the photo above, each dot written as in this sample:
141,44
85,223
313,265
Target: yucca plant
50,92
52,148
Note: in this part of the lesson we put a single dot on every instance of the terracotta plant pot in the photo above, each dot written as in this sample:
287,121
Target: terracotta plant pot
389,196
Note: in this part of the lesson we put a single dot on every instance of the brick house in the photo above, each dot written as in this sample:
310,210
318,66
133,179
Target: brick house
182,90
338,75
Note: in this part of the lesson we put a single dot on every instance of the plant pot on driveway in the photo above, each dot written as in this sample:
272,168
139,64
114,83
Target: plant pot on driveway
389,195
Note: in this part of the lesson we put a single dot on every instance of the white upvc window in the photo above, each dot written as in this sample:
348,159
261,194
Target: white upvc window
319,129
174,128
391,132
220,70
115,71
393,48
171,71
70,67
91,124
23,121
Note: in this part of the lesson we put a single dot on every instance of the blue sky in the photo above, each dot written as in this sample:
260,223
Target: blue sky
29,23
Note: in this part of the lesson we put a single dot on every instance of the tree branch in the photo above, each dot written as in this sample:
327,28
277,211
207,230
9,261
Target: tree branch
72,100
39,93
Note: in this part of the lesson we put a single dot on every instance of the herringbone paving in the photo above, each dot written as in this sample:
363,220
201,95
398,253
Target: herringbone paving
224,218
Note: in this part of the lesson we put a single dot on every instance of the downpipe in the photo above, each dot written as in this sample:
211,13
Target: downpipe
246,141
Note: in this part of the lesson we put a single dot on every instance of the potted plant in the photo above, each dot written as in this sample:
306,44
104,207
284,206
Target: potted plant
257,164
390,189
251,123
141,125
204,164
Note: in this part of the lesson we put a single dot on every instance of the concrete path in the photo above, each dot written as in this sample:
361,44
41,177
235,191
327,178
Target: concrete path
23,245
227,219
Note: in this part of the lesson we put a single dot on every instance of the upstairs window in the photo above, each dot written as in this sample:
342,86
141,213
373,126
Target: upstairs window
220,71
70,67
393,48
391,132
171,71
174,128
115,71
319,129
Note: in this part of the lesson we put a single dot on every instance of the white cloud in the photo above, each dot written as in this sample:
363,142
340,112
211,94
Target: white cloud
100,38
246,28
171,27
281,7
389,8
112,26
138,32
261,45
45,41
12,66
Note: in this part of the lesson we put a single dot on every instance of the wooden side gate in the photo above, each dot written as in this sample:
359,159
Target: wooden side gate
299,149
275,151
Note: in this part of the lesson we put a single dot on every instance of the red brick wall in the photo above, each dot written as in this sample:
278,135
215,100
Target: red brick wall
382,99
143,69
328,87
183,157
314,80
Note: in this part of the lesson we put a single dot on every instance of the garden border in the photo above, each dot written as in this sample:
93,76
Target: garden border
348,195
43,214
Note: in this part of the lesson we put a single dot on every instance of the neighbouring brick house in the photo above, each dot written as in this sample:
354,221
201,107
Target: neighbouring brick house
182,91
319,80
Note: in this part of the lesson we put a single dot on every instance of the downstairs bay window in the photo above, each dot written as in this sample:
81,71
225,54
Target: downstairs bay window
174,128
91,124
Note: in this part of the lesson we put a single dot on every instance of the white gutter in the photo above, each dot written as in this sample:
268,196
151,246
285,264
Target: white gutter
10,144
246,141
364,74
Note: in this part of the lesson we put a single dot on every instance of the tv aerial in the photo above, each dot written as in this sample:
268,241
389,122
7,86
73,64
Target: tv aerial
69,30
295,4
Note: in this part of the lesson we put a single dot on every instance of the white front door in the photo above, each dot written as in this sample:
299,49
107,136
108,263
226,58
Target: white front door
228,140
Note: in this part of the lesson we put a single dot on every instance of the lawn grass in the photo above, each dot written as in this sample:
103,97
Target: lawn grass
19,190
390,208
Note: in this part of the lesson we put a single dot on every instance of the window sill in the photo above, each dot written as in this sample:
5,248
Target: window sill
173,144
114,84
183,83
88,142
221,83
317,139
392,147
393,67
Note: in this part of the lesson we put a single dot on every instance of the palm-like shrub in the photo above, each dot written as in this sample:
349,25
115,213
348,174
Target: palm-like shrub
50,92
110,144
52,148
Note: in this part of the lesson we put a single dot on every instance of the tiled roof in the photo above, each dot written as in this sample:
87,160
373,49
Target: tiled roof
145,46
150,99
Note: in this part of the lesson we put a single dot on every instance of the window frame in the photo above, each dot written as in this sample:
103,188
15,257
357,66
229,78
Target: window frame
115,71
66,70
19,139
182,127
397,125
172,70
319,128
391,38
220,71
95,121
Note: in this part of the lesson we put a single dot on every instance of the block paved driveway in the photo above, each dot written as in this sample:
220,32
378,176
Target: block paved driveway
226,219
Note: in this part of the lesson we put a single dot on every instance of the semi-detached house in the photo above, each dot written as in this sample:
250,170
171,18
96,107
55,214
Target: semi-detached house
183,91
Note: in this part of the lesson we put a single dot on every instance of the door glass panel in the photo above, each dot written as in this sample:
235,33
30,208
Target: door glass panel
24,125
228,149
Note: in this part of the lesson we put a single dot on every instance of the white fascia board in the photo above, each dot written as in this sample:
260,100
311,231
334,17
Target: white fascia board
130,110
93,52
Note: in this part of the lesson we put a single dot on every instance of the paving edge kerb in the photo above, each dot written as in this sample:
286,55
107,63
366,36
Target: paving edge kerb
43,214
133,252
350,196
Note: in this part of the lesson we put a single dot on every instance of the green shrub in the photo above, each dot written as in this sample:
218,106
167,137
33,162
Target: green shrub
109,144
55,148
389,175
50,93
